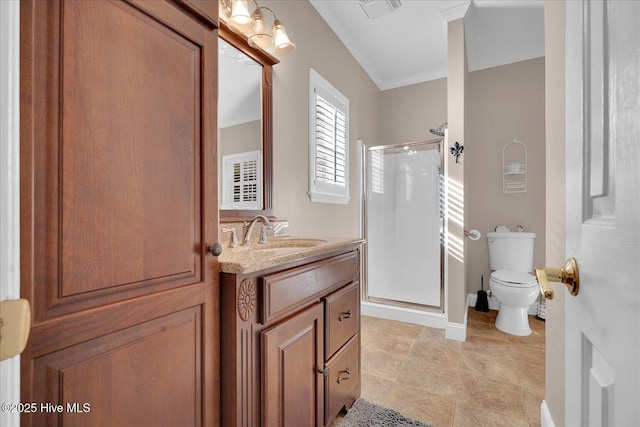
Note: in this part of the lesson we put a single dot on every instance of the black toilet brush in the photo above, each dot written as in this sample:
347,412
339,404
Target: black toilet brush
482,303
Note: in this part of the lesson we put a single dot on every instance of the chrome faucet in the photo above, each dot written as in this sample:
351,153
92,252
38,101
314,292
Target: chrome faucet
233,241
248,227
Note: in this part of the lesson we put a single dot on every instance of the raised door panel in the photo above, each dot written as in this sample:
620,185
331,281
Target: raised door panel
118,205
126,368
127,189
118,165
292,364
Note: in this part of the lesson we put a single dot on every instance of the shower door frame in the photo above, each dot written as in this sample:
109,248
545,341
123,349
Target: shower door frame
439,145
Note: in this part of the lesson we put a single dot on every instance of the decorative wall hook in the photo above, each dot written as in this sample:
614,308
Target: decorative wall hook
456,150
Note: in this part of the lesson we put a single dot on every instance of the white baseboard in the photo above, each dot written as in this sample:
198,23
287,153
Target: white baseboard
403,314
456,331
495,305
453,331
493,302
545,416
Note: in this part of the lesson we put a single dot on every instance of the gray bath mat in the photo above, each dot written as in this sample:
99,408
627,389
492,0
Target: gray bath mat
367,414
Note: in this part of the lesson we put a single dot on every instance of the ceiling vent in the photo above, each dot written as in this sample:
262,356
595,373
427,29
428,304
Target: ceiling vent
377,8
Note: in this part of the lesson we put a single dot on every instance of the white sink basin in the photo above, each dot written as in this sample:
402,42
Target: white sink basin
286,243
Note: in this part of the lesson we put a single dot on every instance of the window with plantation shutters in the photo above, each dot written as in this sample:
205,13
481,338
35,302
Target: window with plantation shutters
328,142
242,187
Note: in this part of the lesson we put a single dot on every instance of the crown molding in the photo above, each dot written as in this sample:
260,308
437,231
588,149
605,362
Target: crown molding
415,79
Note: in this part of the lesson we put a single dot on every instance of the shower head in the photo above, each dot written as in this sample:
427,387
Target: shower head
440,130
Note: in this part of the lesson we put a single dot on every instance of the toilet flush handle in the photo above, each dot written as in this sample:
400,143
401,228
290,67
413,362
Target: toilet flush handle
568,275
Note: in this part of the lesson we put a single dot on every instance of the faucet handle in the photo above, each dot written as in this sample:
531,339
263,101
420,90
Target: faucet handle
233,241
263,233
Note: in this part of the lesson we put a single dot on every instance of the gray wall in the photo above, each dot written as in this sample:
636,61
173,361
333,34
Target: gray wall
240,138
554,22
319,48
407,113
505,102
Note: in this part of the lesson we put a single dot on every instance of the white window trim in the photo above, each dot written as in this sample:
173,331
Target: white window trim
323,192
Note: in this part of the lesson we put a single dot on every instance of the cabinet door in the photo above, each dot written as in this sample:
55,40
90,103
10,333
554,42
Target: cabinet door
118,205
292,385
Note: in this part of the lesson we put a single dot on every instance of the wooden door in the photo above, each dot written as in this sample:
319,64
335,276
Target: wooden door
118,206
292,385
603,213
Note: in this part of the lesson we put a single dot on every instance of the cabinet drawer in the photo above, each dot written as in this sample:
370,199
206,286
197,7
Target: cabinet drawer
342,317
282,293
342,383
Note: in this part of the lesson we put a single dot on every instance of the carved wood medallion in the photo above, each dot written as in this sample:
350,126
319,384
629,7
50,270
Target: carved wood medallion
246,299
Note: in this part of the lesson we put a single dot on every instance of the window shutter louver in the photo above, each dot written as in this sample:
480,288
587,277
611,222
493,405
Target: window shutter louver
328,142
243,181
331,142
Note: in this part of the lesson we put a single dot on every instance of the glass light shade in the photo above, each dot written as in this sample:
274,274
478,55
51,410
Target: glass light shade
260,37
240,19
283,45
224,11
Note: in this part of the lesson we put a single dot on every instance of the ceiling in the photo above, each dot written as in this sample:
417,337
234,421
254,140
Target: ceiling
409,44
240,94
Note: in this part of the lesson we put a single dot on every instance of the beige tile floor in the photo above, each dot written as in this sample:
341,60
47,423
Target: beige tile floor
493,379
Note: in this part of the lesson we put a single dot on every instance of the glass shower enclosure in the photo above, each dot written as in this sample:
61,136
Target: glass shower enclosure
403,221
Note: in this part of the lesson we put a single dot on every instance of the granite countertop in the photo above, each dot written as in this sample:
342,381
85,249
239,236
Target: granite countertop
278,251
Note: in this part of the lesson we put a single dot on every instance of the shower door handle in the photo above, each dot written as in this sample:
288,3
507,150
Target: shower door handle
569,275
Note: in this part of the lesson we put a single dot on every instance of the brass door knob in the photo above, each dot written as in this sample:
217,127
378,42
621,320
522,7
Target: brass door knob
569,275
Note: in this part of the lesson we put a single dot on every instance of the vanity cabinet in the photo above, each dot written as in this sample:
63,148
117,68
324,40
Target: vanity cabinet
290,342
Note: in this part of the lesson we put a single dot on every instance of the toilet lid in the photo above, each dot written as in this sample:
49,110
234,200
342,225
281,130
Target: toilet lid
513,278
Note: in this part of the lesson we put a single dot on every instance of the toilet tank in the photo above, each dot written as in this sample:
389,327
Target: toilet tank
511,251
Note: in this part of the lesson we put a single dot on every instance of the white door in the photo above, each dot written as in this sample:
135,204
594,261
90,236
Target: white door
9,190
603,215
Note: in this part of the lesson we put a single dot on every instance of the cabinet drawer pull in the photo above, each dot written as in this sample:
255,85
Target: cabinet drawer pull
346,371
343,316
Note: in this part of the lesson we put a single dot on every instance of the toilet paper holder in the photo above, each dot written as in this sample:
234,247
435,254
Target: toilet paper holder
473,234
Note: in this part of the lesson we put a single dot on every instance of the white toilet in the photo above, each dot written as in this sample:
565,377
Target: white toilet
511,258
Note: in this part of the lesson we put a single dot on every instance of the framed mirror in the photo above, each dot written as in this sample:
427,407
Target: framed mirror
245,130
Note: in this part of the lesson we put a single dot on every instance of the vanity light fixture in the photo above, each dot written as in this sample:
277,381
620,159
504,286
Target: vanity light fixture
236,14
239,18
